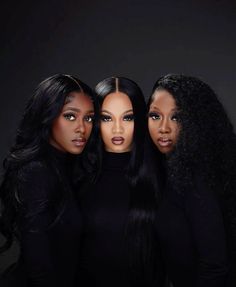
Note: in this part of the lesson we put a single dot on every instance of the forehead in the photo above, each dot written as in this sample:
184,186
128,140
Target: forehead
163,99
116,102
78,99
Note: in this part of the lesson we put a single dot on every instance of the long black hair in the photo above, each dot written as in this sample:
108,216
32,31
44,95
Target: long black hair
206,143
139,235
31,142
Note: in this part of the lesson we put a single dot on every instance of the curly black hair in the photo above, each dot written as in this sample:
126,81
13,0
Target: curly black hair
206,143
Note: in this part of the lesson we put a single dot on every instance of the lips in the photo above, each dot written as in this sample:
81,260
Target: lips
79,142
164,142
117,140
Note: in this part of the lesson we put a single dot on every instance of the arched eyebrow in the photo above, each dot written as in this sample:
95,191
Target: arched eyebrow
126,112
129,111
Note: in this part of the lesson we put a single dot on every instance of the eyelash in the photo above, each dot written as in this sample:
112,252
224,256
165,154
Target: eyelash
128,118
156,116
69,117
175,118
89,118
105,118
72,117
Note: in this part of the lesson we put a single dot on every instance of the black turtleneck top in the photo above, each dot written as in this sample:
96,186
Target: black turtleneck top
192,239
49,227
105,208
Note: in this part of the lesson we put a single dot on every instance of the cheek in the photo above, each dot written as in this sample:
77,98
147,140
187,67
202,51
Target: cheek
176,134
130,130
104,130
57,127
151,128
89,128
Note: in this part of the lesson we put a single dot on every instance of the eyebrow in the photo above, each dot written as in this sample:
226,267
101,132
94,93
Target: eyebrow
76,110
126,112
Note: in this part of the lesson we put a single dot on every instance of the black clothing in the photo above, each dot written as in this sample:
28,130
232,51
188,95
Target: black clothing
192,237
105,208
49,230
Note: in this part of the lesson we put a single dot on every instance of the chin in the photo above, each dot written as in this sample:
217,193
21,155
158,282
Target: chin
76,151
118,150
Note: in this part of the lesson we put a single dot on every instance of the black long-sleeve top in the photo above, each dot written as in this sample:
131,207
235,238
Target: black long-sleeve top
105,208
49,232
189,229
191,232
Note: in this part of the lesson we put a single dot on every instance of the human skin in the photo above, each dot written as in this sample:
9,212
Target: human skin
117,123
72,128
163,123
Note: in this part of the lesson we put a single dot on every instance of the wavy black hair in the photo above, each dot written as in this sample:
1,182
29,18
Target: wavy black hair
206,143
139,232
32,141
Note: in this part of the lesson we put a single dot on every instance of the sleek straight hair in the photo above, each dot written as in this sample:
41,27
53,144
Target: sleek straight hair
139,234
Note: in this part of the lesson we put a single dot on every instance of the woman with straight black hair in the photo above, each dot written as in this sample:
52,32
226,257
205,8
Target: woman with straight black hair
194,149
118,248
39,208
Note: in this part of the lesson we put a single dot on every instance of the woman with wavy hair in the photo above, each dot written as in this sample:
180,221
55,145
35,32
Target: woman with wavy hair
37,192
194,149
118,248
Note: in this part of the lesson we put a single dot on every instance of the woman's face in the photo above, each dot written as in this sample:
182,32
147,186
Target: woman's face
163,123
72,128
117,123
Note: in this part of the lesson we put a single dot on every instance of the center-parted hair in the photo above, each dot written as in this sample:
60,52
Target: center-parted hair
138,232
206,140
131,89
31,143
206,145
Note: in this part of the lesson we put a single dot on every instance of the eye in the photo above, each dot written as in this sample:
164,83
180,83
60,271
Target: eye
105,118
128,118
154,116
89,118
175,118
69,117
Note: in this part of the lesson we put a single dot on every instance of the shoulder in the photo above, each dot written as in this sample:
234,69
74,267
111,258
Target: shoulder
36,179
33,167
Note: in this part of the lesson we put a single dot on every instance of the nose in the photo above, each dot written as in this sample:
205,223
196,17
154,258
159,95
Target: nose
117,127
164,126
80,127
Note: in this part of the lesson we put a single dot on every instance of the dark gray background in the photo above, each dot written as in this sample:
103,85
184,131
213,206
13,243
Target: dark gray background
141,40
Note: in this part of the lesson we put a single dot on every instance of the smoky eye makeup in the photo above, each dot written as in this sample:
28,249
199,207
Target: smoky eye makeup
89,118
105,118
154,115
69,116
128,117
175,117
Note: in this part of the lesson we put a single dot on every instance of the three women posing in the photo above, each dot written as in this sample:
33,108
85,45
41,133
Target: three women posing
155,209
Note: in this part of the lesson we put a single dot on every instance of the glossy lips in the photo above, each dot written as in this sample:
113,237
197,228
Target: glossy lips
80,142
164,142
117,140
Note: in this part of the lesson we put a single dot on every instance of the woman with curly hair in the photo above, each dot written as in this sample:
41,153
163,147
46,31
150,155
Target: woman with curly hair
194,147
38,201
